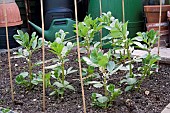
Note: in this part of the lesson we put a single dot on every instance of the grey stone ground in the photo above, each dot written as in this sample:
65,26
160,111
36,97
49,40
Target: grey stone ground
13,49
164,54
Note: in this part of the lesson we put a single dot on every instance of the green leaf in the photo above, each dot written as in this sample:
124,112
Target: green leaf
34,43
70,71
70,87
98,95
93,82
96,44
103,61
110,66
111,88
139,44
58,84
124,28
116,69
20,79
66,83
128,88
131,81
138,38
89,62
123,81
57,48
53,66
35,82
23,74
99,85
52,93
102,99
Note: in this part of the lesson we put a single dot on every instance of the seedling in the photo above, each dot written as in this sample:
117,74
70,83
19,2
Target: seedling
5,110
30,45
146,41
102,62
87,30
61,49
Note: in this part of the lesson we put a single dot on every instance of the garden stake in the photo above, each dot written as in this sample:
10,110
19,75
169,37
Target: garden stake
9,61
79,59
123,11
123,15
160,14
43,53
100,1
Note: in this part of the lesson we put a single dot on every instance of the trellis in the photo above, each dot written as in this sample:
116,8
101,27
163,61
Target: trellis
78,48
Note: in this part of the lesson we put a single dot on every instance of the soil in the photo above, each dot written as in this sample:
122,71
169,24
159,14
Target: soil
152,98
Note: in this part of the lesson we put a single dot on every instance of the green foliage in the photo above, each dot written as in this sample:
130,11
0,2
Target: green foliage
146,40
102,62
30,45
87,30
61,49
105,101
5,110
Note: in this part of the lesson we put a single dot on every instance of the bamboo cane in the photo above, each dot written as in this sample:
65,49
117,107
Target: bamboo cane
123,11
160,14
9,61
43,54
79,60
100,2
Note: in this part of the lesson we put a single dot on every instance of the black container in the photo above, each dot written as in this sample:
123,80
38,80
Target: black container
52,4
57,13
11,32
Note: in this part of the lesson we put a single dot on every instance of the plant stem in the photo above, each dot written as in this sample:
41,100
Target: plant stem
105,84
129,56
63,76
88,46
130,63
30,67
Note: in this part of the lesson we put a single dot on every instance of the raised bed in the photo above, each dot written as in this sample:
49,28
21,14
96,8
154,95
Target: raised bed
153,97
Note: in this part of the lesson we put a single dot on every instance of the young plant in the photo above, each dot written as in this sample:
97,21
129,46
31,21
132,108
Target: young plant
122,47
30,45
146,41
61,49
106,67
5,110
87,30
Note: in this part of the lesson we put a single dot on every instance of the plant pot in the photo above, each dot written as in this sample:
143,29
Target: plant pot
152,13
164,39
13,15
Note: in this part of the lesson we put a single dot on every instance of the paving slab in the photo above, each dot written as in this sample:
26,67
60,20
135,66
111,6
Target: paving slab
13,49
166,109
164,54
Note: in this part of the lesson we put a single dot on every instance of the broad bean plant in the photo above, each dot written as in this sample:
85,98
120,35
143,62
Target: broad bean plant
61,49
30,45
104,63
119,57
106,67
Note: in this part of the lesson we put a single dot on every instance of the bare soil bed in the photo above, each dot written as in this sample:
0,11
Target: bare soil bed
152,98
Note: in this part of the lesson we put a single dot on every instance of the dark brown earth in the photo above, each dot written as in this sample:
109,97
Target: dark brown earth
158,86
